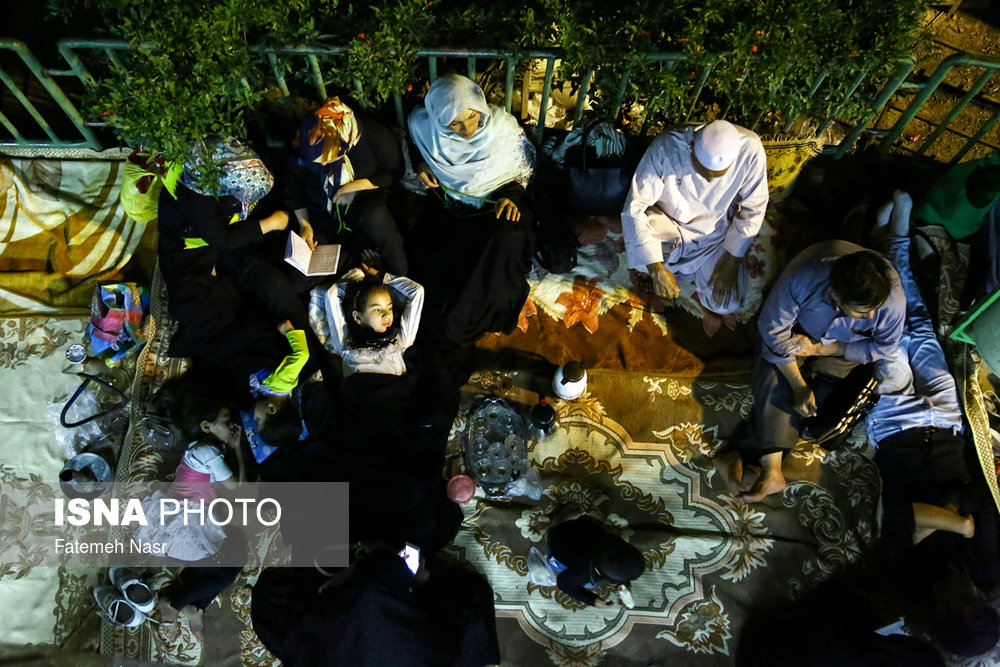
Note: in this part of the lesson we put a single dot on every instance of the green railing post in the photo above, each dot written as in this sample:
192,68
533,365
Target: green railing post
888,90
969,96
793,114
581,97
508,88
89,138
974,139
550,65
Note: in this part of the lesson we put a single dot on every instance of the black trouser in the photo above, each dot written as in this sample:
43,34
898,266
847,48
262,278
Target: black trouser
198,584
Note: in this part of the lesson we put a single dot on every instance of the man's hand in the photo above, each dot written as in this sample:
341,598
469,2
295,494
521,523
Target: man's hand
804,402
805,346
725,279
506,206
285,327
664,283
427,176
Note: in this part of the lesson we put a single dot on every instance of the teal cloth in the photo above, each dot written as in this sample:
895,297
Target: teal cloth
947,201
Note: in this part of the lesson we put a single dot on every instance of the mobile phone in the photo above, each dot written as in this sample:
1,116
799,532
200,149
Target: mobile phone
411,556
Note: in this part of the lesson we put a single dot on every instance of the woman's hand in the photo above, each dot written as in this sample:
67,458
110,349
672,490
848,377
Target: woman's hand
508,208
427,176
275,222
306,232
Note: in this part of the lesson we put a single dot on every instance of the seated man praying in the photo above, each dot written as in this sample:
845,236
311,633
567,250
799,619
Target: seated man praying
697,202
836,305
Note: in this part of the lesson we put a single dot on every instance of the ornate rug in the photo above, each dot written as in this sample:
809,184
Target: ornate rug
634,452
606,315
49,610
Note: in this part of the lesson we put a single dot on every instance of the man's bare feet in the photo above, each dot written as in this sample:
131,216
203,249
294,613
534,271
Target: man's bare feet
771,480
729,321
729,465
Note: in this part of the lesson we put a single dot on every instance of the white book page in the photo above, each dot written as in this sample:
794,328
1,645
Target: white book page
297,252
324,260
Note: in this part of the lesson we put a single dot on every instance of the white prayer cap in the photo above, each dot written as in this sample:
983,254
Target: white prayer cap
716,145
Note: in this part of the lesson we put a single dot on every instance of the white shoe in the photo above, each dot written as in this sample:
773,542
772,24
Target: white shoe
128,583
116,609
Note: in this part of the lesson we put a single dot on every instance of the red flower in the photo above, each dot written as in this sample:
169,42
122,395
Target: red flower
753,48
529,310
581,303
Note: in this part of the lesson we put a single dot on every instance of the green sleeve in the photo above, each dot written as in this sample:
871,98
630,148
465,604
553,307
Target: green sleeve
286,375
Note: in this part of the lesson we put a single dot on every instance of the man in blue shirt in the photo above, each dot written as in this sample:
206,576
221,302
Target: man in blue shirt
917,423
835,306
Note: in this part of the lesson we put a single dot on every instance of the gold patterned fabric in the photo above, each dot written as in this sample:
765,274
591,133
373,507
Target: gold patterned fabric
785,160
62,227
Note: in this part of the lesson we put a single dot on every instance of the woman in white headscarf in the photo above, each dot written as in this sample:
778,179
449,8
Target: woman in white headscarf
475,236
474,151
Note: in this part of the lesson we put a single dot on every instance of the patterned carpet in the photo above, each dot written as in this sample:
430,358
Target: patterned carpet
634,452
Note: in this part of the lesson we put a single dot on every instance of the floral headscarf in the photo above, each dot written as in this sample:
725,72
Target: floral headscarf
245,177
325,137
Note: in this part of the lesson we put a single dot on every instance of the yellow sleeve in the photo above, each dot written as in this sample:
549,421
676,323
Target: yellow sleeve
286,375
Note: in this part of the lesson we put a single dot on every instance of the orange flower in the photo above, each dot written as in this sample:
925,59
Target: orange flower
581,303
753,48
529,310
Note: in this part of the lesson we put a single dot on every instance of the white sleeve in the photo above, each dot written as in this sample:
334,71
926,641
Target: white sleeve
208,459
335,320
752,199
642,246
409,320
317,314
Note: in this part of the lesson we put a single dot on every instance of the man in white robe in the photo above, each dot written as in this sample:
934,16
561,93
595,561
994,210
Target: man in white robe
697,202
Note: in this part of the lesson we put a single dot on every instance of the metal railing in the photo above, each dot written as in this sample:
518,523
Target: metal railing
112,55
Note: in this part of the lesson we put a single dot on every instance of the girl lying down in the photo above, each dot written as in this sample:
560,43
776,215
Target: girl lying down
368,318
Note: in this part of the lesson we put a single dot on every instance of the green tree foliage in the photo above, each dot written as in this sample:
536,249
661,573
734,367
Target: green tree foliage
194,70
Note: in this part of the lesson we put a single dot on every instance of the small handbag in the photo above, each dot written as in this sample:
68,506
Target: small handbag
599,185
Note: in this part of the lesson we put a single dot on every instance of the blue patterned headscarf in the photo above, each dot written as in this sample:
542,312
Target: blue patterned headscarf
245,176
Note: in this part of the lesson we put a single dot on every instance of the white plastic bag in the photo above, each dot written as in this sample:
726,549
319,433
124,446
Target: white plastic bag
528,484
540,572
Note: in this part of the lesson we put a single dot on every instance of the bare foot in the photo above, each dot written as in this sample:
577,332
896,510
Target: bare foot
900,219
770,482
970,527
729,465
196,619
729,321
711,322
170,628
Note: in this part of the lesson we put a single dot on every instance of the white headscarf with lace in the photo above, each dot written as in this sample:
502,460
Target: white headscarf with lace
470,169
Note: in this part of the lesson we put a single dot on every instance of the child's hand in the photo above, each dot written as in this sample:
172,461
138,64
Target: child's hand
285,327
235,431
371,261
